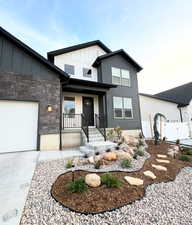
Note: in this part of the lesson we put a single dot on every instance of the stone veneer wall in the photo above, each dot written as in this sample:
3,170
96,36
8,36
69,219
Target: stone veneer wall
32,88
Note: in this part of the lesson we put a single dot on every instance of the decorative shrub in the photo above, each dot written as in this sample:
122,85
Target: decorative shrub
126,163
114,134
78,185
187,151
110,181
140,153
184,158
141,143
140,135
135,156
69,164
97,153
97,165
177,142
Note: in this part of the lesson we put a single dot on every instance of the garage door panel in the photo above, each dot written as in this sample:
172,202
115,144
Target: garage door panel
18,126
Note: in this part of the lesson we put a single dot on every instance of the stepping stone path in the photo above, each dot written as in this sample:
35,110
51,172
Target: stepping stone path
133,180
161,156
149,174
162,161
158,167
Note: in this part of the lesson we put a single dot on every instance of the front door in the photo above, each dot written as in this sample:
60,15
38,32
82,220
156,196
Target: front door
88,110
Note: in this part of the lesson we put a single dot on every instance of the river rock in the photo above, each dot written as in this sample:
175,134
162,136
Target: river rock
93,180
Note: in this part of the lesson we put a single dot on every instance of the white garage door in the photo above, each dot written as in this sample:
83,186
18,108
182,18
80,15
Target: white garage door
18,126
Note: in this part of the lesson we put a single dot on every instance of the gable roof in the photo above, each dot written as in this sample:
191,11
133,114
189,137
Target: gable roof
122,53
159,98
50,55
33,53
181,94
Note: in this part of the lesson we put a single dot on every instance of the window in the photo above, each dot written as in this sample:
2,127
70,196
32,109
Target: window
87,72
120,77
122,107
69,106
70,69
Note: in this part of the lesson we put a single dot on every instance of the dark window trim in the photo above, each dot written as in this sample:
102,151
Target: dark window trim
122,118
121,85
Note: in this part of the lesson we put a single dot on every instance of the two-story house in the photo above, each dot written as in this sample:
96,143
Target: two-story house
67,100
102,87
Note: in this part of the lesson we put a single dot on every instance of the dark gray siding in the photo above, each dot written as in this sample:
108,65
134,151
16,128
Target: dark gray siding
121,91
16,60
24,78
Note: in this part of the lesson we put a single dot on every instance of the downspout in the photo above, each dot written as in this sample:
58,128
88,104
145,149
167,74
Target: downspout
61,111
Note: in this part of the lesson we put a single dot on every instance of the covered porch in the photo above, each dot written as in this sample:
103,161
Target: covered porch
84,106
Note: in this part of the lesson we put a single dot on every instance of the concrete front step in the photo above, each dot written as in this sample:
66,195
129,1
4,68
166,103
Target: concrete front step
101,146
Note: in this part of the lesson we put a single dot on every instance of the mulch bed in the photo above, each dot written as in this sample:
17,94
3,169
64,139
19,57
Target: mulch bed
101,199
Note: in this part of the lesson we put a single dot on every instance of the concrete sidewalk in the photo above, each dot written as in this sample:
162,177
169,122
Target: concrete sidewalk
16,172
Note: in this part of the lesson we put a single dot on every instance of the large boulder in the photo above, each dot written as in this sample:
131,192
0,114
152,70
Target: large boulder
93,180
123,155
126,148
110,156
130,140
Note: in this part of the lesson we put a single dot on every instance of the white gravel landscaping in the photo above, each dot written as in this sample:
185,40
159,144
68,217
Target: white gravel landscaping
164,204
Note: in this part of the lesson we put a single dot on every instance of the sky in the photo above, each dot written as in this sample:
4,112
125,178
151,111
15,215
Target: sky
156,33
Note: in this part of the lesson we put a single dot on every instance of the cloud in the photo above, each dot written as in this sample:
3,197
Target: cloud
53,39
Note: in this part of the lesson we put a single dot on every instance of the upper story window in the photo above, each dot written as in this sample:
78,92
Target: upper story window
121,77
70,69
87,72
122,107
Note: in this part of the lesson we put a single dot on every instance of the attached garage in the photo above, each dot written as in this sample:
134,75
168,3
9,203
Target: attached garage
18,126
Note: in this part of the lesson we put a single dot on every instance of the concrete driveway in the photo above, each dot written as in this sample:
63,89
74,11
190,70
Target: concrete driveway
16,172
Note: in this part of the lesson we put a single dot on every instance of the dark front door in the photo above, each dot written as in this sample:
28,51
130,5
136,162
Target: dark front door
88,110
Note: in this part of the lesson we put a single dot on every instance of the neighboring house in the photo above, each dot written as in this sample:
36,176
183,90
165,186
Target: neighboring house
42,107
175,104
151,105
182,95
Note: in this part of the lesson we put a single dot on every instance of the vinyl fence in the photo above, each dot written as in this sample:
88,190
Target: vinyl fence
171,130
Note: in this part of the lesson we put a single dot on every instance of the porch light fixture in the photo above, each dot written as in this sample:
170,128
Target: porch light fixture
49,108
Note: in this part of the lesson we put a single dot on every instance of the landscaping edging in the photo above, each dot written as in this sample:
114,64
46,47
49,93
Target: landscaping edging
167,178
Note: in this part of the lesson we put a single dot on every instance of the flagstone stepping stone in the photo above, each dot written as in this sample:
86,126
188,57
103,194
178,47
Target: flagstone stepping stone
161,156
158,167
149,174
133,180
162,161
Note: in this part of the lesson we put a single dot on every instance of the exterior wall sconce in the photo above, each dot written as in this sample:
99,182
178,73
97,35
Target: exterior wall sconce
49,108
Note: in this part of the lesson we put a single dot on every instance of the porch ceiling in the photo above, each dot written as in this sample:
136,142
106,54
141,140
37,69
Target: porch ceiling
84,86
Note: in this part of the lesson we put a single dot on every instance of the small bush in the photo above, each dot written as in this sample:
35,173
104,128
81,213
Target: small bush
141,142
97,165
110,181
108,150
126,163
135,156
69,164
187,151
78,185
97,153
140,153
140,135
177,142
184,158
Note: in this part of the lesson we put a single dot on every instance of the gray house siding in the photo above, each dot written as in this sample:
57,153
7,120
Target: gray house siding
14,59
121,91
24,78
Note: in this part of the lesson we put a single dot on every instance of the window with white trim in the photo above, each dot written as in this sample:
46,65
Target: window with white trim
122,108
120,77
